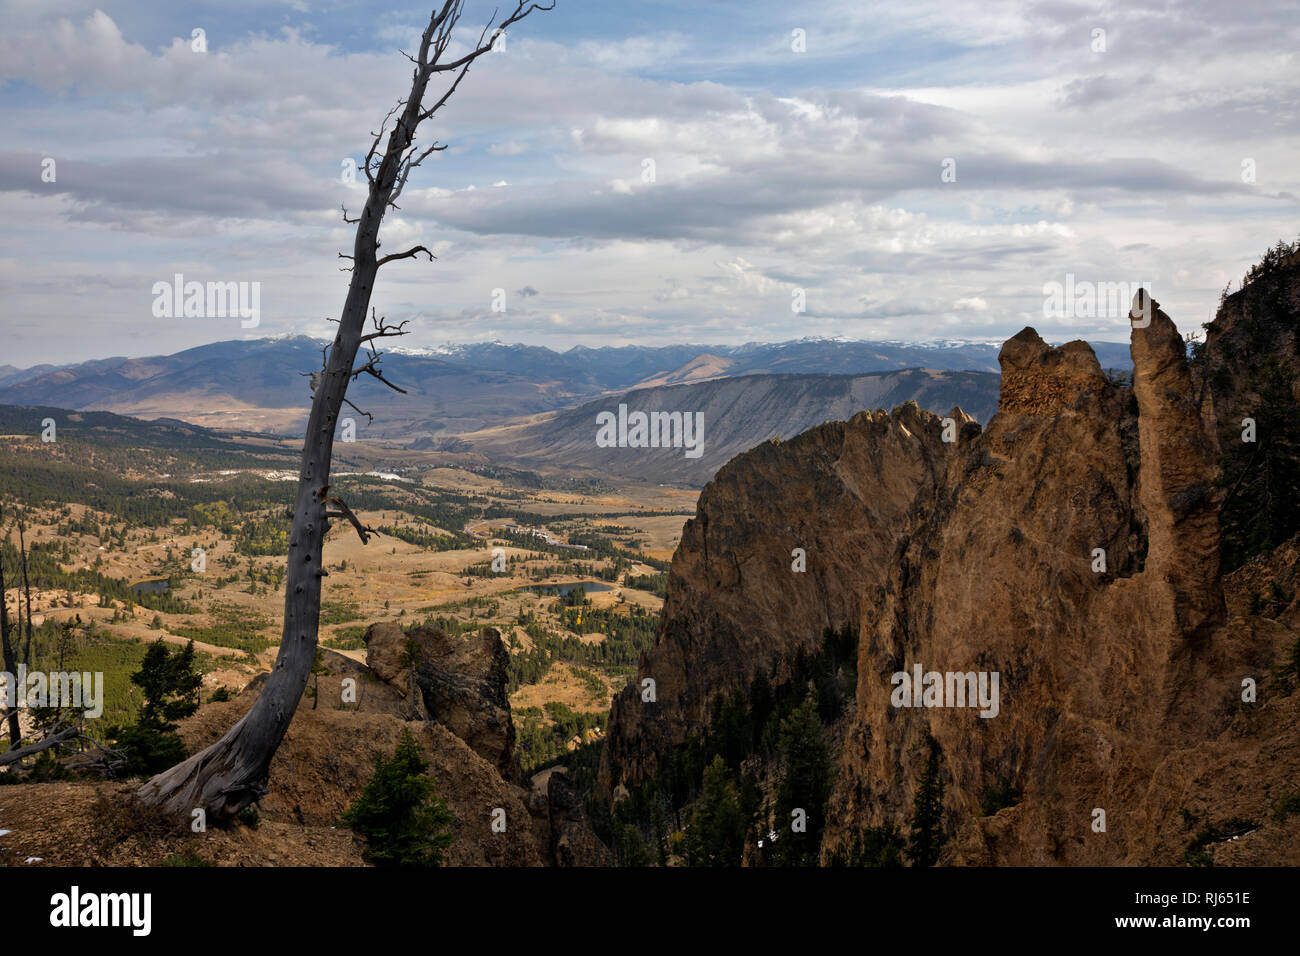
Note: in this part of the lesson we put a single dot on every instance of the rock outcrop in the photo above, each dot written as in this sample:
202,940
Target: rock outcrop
461,681
461,720
1260,321
1072,548
733,598
564,835
329,754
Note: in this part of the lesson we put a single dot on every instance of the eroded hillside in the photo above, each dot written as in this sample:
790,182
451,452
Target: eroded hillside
453,702
1072,548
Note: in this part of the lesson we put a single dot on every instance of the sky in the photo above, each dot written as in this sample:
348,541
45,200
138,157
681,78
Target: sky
651,173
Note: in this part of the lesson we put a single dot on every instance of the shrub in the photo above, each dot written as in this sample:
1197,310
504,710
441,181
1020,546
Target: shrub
1287,806
170,682
400,817
47,768
1196,853
185,859
877,846
999,797
117,817
147,750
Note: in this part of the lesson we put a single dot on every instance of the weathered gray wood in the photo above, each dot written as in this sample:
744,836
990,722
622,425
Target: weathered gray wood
27,591
233,772
18,753
11,664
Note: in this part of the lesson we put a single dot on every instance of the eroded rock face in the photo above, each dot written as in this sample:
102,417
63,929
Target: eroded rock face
1178,470
841,492
385,650
1259,321
1040,380
461,681
1100,670
1118,680
571,841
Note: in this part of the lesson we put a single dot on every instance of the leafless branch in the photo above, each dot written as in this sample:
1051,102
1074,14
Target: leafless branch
370,419
409,164
54,739
345,512
374,146
408,254
521,10
372,368
382,330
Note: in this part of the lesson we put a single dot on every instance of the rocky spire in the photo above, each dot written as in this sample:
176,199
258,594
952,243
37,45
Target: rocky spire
1176,484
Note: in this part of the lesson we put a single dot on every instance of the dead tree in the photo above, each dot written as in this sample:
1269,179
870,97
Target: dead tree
60,734
7,648
27,592
233,772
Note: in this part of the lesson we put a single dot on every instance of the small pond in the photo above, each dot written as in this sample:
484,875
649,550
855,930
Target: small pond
155,586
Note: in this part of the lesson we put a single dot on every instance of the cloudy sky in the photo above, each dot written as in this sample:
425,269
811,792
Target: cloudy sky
791,149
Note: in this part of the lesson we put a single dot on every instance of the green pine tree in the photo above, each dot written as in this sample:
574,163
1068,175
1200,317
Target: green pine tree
804,785
402,820
1261,507
876,847
761,704
927,837
716,834
660,827
170,681
630,848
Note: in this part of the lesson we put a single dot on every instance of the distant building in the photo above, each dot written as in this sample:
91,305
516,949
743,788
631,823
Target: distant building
544,535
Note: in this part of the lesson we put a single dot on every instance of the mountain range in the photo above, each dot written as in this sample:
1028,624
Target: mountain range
453,387
735,414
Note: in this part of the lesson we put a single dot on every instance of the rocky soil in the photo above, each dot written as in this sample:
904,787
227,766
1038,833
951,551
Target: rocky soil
461,720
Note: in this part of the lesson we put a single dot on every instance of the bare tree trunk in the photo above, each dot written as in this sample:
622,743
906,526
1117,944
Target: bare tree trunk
233,772
15,754
15,732
27,590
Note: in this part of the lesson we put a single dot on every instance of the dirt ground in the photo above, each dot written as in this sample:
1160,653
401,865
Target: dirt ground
562,686
84,824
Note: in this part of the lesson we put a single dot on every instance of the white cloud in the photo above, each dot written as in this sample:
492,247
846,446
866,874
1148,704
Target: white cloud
771,172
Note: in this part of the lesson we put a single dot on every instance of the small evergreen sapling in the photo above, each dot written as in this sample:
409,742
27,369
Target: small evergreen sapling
400,817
